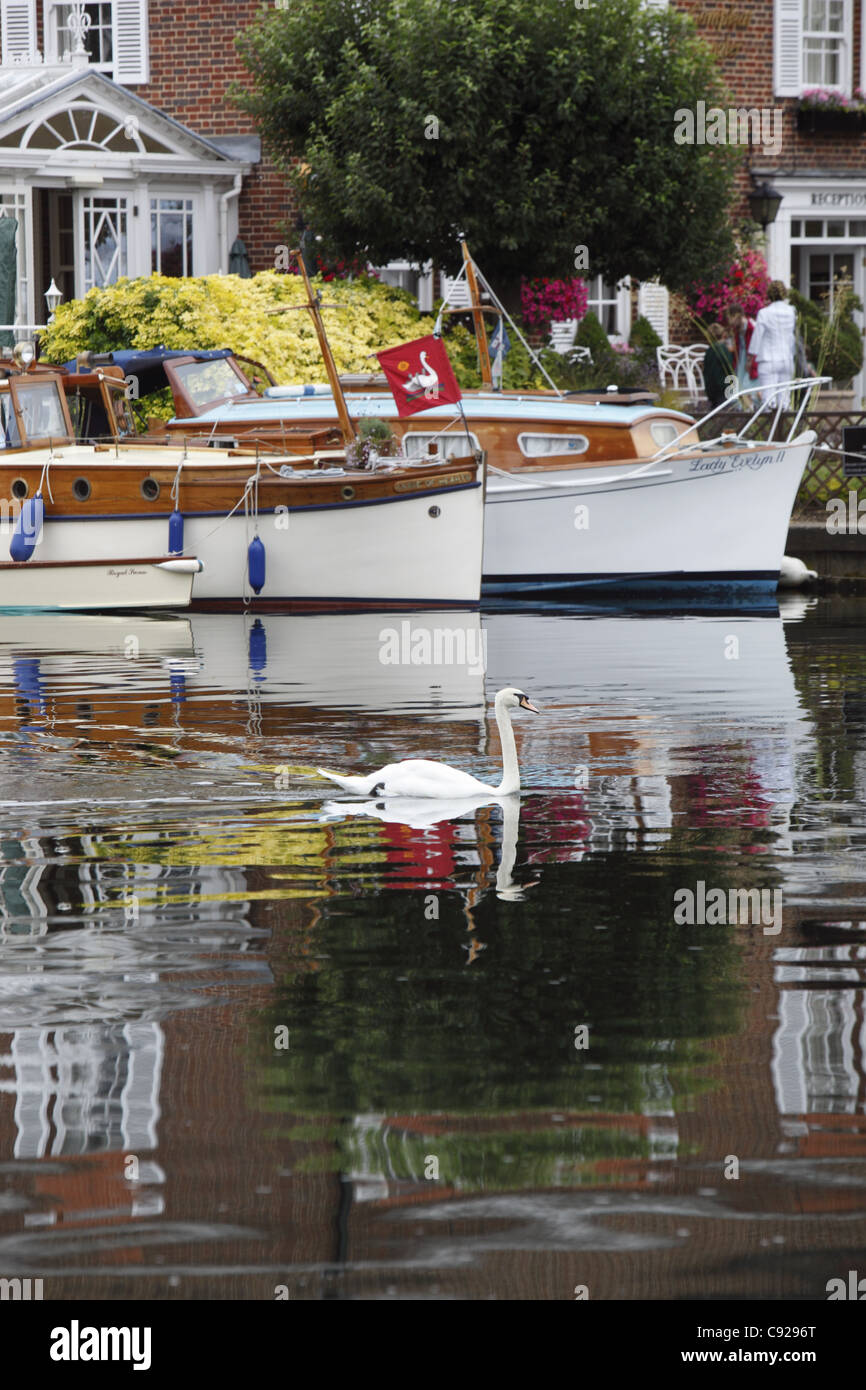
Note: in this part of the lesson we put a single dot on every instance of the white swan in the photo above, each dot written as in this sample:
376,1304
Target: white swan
422,381
419,777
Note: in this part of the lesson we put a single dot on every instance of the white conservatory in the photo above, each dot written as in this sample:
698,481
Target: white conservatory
103,185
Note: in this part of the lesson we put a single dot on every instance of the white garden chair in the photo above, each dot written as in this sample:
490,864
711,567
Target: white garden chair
682,369
562,336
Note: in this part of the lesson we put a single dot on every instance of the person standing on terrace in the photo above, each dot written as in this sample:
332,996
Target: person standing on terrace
772,345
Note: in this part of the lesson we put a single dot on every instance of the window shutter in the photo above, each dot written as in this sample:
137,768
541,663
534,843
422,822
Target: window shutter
130,42
653,303
18,20
788,48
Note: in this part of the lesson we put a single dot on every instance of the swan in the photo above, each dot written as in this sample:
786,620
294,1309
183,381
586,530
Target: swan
422,381
420,777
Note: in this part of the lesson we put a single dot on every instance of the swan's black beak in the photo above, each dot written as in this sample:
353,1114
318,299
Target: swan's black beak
526,703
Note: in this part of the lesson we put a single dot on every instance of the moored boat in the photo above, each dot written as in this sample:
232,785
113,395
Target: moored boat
605,490
97,585
267,534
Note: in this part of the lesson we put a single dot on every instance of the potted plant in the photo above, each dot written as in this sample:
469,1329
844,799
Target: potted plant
832,341
545,301
375,439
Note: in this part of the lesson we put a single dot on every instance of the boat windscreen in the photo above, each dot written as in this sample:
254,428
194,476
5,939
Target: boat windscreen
206,383
41,410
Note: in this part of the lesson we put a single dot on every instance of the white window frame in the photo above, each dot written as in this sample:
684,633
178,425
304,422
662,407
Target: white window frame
159,195
844,40
18,202
129,64
83,284
566,442
619,296
457,437
51,21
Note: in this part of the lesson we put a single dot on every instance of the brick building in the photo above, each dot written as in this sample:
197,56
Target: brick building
771,53
120,150
130,157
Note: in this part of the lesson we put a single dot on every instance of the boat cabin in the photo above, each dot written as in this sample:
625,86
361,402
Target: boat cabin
33,412
44,405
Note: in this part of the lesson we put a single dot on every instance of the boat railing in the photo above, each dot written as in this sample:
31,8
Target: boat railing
771,399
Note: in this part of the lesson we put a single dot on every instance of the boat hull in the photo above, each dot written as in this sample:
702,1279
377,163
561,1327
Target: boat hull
715,520
79,586
405,539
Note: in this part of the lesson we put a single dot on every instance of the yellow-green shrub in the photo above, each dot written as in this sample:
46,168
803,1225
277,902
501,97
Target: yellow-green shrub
216,311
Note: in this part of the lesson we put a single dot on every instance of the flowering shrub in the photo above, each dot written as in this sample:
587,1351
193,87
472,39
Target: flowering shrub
550,301
745,282
353,269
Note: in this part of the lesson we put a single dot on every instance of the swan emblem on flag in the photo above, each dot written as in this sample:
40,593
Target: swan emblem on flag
424,382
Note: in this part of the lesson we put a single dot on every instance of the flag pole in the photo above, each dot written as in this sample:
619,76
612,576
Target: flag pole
466,426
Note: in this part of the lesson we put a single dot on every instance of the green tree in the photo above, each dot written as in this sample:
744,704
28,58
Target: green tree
535,127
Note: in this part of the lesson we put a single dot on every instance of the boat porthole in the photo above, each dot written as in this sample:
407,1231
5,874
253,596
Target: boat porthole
434,511
150,489
348,493
81,489
19,488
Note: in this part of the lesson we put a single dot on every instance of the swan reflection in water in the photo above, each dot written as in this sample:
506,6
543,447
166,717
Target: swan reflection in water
423,813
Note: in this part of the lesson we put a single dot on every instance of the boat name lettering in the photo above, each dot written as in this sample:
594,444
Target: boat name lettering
421,484
731,463
121,574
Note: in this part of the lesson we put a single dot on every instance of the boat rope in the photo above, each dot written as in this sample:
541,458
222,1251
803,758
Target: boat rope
497,303
45,478
446,302
175,487
240,502
841,451
250,500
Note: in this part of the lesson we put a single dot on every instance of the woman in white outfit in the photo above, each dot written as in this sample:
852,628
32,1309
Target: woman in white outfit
772,342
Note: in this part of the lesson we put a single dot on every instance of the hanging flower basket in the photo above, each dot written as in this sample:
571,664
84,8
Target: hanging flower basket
823,112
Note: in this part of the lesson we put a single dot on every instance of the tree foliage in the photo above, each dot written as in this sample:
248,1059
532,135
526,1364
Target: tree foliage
533,126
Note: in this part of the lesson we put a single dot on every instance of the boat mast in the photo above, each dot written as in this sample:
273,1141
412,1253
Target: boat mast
477,318
313,305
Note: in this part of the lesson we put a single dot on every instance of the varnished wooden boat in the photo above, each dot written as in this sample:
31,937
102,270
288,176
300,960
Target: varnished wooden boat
401,535
600,490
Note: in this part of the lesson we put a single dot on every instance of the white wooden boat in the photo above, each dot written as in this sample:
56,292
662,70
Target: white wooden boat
406,534
694,520
98,585
587,492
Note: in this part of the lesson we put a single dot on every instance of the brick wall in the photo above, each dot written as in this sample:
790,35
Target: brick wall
740,33
193,61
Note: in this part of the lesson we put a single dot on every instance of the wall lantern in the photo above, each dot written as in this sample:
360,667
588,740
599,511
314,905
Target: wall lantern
764,203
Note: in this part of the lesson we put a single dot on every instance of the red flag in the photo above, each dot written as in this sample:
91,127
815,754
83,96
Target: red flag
420,376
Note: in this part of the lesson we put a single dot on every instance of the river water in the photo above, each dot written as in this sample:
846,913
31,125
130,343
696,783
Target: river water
261,1039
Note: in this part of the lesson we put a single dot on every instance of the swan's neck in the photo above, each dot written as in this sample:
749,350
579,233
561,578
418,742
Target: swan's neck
510,770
